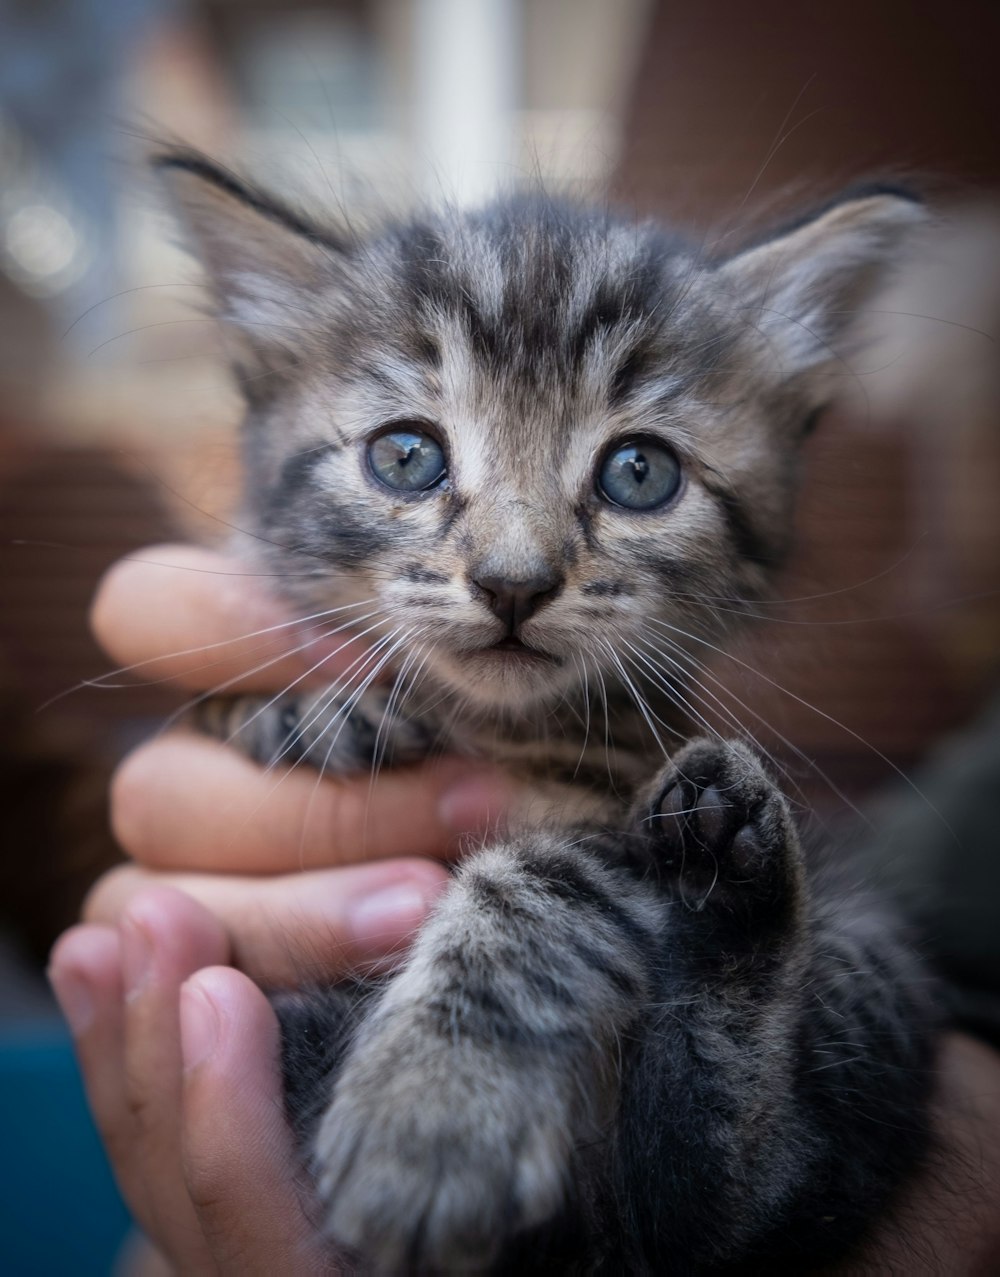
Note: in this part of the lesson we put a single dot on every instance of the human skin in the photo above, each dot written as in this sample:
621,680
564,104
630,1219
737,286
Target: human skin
177,1045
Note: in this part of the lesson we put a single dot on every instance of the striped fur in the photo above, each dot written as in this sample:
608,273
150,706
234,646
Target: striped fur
638,1035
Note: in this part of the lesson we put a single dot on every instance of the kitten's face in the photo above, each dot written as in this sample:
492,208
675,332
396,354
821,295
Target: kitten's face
531,444
526,467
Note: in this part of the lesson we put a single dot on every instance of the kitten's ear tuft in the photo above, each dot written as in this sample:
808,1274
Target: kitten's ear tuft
262,259
807,287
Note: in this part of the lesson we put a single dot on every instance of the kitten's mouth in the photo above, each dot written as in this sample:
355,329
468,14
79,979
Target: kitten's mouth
503,674
516,650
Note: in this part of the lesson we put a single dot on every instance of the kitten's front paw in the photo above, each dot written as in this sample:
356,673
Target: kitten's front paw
724,830
334,732
430,1165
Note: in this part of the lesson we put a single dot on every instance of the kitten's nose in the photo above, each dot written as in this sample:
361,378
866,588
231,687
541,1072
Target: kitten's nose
515,601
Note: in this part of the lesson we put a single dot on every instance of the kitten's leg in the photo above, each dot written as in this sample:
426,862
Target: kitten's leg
318,1026
335,732
779,1089
493,1054
707,1093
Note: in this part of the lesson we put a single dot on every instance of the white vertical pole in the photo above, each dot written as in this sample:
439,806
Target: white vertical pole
468,80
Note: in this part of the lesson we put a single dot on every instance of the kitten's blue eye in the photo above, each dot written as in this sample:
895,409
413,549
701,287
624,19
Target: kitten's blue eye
639,475
408,460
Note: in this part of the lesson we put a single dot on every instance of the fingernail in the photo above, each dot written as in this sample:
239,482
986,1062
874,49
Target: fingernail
393,913
75,999
199,1026
473,804
137,958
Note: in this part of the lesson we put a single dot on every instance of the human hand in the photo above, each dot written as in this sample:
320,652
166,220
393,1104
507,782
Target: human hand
202,1155
947,1221
179,1058
268,860
193,1122
303,873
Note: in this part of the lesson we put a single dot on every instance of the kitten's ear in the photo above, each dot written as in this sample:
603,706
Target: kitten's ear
264,262
807,287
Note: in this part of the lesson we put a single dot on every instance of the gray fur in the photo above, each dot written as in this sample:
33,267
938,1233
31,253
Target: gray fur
611,1041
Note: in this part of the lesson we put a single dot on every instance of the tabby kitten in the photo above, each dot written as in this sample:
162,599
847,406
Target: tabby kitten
525,451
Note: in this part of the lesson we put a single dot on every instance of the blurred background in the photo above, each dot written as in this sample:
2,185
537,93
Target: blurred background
879,656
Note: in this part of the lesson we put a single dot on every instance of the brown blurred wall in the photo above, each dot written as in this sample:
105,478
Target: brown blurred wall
740,107
735,101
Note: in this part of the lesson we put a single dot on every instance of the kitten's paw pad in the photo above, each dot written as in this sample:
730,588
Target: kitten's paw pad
414,1177
720,821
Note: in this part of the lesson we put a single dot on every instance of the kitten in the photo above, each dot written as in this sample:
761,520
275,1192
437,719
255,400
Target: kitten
525,450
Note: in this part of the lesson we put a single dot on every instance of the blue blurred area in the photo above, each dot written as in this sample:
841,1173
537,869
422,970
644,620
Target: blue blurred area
63,70
60,1212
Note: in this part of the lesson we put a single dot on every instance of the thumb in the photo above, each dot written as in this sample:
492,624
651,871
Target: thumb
239,1164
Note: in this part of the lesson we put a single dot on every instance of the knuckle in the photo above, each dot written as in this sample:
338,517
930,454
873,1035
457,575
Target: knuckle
150,1110
141,1105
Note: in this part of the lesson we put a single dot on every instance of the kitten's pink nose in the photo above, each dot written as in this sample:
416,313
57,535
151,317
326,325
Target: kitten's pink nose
515,601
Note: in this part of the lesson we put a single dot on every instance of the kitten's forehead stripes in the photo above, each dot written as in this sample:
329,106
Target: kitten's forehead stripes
638,360
380,376
536,285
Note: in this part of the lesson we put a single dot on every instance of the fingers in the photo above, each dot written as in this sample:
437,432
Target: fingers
946,1219
85,971
127,1042
164,938
188,1102
204,620
289,929
239,1165
188,802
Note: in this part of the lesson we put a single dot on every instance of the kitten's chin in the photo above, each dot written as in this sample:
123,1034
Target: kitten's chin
507,676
